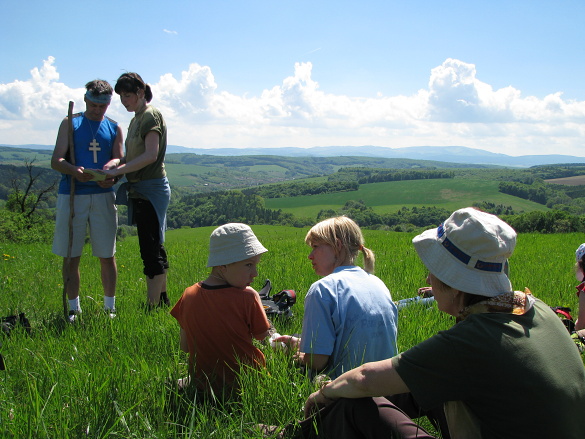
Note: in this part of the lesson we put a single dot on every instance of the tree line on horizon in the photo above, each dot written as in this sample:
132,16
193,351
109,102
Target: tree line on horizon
29,196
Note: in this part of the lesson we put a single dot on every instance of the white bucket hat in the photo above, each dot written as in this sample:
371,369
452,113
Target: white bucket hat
580,252
233,242
469,252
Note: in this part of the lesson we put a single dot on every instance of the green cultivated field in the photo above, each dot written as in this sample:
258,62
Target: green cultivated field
187,175
102,378
388,197
17,156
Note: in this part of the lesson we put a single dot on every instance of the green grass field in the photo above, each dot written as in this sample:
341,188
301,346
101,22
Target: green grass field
103,378
389,197
187,175
17,156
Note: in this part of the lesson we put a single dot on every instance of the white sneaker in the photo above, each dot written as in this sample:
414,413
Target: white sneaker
183,383
72,317
111,313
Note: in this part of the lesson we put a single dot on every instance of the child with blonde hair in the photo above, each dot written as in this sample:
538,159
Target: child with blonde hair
350,317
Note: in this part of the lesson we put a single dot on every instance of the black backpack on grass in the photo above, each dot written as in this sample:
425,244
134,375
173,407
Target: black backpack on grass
564,314
278,305
8,323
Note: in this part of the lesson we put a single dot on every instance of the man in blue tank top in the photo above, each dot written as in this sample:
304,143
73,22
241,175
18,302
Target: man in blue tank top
97,142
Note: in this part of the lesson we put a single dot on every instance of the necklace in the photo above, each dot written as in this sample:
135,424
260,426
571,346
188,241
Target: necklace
94,145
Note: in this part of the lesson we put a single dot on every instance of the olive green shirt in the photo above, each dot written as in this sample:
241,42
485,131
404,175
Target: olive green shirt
149,120
516,376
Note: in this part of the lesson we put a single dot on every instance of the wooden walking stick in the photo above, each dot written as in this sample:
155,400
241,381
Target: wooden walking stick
66,266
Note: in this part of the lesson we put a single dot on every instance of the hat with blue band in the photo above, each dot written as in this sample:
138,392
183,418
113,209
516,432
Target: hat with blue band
469,252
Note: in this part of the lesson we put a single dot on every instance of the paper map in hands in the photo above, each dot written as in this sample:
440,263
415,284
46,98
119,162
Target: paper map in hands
97,175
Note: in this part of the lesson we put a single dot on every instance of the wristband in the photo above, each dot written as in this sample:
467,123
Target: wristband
323,394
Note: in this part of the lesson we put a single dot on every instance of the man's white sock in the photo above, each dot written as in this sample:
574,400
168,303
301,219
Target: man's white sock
74,304
110,302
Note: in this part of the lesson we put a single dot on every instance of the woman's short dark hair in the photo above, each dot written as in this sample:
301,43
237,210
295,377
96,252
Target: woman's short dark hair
131,83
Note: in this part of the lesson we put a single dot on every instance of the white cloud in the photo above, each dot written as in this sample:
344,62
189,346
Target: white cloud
455,109
172,32
188,97
39,98
456,95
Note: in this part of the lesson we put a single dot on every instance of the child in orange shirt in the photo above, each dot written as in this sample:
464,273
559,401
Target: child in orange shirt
221,315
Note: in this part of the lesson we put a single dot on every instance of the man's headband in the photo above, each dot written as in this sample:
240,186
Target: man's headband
98,99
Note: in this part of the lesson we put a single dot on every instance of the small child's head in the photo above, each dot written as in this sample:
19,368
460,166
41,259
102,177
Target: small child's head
344,236
341,233
234,252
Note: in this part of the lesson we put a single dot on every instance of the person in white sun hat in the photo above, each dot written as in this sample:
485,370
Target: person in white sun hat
580,275
220,316
507,369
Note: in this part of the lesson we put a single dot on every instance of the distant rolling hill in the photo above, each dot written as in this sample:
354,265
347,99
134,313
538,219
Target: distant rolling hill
452,154
206,172
214,172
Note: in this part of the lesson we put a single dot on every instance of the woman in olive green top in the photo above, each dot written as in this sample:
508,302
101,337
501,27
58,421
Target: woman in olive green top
147,191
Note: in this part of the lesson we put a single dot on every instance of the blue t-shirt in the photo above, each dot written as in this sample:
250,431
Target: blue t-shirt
90,154
350,316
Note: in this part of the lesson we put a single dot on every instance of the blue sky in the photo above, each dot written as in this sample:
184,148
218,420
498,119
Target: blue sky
505,76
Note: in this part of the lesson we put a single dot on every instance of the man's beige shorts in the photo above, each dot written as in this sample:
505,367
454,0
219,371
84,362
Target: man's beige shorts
99,212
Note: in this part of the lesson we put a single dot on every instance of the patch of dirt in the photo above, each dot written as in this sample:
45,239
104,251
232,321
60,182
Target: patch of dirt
577,180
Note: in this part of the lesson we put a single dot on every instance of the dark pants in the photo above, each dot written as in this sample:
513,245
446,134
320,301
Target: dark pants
366,418
154,256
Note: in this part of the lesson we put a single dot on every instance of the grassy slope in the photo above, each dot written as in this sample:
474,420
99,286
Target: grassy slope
389,197
108,378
